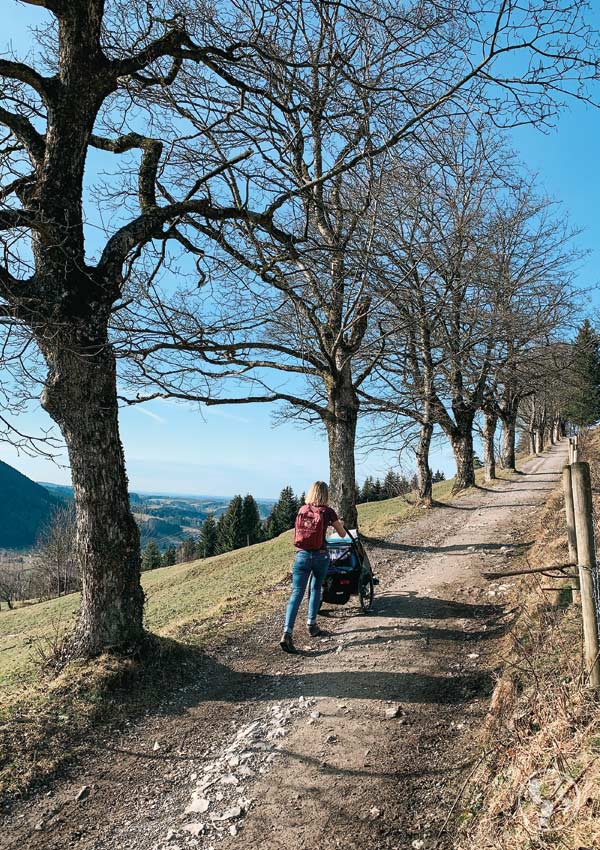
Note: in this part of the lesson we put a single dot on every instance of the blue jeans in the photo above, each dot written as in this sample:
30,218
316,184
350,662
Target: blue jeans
306,564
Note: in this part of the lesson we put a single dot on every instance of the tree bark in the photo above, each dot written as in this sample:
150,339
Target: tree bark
424,477
461,440
539,440
509,441
341,433
81,396
489,455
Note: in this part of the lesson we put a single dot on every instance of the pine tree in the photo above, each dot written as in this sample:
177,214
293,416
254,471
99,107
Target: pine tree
583,400
250,521
367,494
391,485
231,535
377,491
207,542
404,486
169,556
438,476
266,529
151,557
283,515
221,542
187,550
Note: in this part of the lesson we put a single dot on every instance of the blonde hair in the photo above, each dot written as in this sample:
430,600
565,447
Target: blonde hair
318,494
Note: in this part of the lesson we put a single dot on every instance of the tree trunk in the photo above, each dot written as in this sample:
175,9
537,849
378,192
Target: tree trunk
489,455
81,396
508,442
462,447
424,477
341,434
539,441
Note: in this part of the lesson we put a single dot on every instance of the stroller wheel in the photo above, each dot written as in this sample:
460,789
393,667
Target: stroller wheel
366,591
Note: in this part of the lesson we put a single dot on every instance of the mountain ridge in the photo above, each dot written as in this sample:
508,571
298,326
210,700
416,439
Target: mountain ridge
25,506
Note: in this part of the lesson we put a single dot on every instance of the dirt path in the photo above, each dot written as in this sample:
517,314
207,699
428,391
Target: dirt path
276,752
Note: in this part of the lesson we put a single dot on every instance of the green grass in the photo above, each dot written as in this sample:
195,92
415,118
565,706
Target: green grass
189,602
45,721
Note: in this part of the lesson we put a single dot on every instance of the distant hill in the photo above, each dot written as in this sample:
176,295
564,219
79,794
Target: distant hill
169,518
25,507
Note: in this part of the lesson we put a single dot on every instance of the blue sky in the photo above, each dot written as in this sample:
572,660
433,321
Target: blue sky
225,450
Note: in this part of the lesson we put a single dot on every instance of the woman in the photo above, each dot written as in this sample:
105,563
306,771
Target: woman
312,559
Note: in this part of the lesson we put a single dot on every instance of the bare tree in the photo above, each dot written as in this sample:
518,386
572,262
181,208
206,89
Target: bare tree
173,93
55,560
533,259
482,273
317,144
95,63
13,581
442,301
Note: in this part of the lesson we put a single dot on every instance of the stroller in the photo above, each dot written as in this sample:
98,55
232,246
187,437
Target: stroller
349,573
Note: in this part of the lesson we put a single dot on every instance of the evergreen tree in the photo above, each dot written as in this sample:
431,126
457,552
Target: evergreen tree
377,491
283,515
169,556
392,485
151,557
583,399
232,531
438,476
266,529
221,542
367,494
207,542
250,520
477,464
187,550
403,485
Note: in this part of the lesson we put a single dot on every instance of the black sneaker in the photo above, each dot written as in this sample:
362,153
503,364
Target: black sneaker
287,644
315,631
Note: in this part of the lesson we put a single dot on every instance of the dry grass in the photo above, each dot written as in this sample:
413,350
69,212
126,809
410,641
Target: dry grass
45,720
539,785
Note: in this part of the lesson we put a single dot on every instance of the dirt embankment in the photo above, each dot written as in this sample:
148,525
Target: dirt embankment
538,785
367,739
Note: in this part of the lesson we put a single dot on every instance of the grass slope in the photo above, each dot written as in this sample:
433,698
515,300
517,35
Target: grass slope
190,601
46,721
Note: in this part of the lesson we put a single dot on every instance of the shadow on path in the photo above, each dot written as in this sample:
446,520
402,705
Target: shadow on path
463,549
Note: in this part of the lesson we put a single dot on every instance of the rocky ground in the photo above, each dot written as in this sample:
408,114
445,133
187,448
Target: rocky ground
365,740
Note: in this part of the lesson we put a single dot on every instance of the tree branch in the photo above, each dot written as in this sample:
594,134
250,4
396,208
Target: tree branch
25,132
11,218
25,74
149,226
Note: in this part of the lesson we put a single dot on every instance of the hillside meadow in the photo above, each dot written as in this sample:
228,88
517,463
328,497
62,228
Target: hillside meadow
49,719
188,602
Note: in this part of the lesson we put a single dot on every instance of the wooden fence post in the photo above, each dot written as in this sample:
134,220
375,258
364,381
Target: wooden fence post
586,560
571,536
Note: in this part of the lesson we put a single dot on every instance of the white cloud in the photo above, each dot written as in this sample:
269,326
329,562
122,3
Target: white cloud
152,415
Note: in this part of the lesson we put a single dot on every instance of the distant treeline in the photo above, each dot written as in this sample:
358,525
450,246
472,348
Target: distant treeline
394,484
239,526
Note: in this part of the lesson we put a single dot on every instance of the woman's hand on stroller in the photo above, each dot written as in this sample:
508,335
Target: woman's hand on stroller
339,528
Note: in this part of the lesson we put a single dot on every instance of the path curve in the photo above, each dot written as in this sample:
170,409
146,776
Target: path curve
283,753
